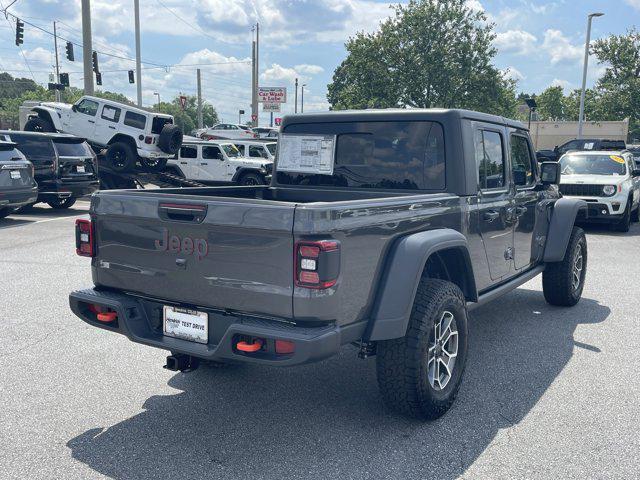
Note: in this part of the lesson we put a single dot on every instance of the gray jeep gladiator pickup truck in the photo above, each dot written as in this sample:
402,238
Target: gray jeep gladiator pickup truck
380,229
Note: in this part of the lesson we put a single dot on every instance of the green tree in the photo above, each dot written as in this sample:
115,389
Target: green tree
187,119
431,53
619,87
551,104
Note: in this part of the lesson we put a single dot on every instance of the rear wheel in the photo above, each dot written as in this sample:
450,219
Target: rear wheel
251,179
420,373
121,156
62,203
563,282
38,124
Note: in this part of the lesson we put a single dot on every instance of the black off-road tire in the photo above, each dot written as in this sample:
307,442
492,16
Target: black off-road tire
121,157
558,280
170,139
635,214
38,124
62,203
624,224
251,178
5,212
402,364
154,165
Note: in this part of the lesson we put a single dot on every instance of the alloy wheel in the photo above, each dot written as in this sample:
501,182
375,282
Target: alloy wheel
443,350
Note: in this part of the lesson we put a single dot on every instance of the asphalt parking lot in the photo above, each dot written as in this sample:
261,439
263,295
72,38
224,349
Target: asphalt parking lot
548,392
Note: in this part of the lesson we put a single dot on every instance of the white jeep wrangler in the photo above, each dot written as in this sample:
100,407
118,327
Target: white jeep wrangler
129,134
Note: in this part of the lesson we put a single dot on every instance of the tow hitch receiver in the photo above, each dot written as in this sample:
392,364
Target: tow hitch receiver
182,363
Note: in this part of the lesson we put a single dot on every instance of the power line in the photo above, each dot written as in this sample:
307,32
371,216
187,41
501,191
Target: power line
21,51
189,24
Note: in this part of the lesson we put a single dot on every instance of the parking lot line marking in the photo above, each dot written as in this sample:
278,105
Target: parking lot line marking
26,223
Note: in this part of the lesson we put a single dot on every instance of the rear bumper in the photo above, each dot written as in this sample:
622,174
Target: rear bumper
141,321
18,198
52,189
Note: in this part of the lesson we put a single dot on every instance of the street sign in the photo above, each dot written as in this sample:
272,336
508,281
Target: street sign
272,94
254,118
277,121
183,101
270,107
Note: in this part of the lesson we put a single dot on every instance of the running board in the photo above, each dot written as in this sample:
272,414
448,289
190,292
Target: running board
505,287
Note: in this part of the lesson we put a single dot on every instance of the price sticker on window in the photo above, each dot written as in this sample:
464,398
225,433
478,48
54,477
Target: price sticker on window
306,153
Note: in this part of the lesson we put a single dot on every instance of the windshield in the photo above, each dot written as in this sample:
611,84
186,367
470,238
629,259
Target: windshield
75,149
231,150
271,147
593,165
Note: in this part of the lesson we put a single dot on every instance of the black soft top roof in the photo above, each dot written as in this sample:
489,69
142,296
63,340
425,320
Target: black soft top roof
443,115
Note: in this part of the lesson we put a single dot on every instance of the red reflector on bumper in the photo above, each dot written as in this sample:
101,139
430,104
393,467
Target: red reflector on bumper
285,346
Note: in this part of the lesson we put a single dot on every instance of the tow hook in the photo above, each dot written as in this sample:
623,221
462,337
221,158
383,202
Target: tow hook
182,363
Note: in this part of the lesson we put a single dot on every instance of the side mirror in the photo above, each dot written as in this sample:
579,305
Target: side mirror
555,149
74,107
550,173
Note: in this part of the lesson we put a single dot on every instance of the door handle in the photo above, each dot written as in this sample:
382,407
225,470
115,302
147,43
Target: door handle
204,164
112,127
183,163
491,215
91,121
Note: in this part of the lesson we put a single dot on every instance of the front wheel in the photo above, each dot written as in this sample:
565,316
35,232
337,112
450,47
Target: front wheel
62,203
624,224
563,282
38,124
153,165
420,373
6,211
251,179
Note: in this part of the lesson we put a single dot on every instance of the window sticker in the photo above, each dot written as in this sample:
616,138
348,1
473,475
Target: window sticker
307,153
588,146
616,158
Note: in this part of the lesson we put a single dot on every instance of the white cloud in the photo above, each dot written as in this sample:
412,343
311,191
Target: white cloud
513,73
558,82
301,72
560,48
517,41
310,69
634,3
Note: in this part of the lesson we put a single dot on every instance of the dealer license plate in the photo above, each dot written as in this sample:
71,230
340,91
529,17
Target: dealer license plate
80,169
15,174
186,324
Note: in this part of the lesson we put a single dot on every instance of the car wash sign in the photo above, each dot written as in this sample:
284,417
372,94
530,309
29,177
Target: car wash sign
272,94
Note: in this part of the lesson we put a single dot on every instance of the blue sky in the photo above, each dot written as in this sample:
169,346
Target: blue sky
540,43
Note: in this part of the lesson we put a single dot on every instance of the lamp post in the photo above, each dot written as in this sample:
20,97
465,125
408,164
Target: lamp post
157,95
584,71
302,98
531,103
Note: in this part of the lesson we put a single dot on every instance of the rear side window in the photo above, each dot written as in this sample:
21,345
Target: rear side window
521,161
135,120
403,155
189,152
256,151
111,113
490,159
37,149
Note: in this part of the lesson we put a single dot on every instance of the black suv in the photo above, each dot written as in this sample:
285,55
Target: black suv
65,166
581,144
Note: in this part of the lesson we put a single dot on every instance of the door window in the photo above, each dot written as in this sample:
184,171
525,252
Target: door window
490,159
211,153
111,113
256,151
521,161
188,152
88,107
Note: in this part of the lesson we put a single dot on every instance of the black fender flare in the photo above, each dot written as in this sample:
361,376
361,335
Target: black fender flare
563,217
46,114
242,170
397,291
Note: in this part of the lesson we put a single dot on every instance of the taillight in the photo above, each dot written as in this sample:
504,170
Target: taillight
84,238
317,264
148,140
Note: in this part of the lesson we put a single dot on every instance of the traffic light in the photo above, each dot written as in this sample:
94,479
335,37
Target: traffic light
98,78
96,67
70,56
131,79
19,32
64,79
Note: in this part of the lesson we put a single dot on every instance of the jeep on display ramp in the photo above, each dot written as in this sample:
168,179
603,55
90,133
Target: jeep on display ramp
131,136
381,229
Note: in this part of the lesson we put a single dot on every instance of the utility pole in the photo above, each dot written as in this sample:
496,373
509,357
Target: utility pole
55,47
87,48
584,72
295,108
136,7
254,76
302,99
199,99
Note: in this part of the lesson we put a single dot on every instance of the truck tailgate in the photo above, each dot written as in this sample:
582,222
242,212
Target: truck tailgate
231,254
